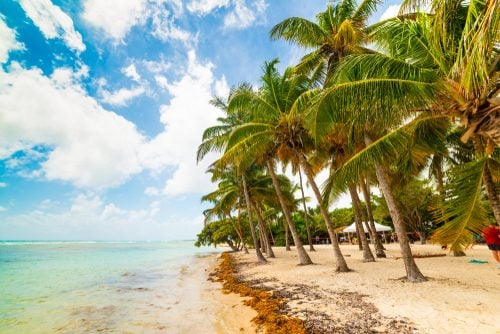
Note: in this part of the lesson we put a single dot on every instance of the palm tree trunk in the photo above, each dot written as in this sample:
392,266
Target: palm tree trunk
492,194
413,274
287,236
238,231
341,264
358,217
265,237
260,257
379,248
358,239
306,218
304,258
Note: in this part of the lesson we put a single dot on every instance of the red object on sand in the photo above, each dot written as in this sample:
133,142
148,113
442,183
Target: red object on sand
491,235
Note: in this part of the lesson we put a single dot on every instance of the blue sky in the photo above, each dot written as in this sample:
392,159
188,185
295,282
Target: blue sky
103,102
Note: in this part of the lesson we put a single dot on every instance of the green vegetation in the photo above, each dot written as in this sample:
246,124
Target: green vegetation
410,104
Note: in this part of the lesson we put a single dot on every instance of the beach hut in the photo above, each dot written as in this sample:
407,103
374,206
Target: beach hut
378,227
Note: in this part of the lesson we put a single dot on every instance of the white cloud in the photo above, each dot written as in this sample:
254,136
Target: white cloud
185,118
161,81
53,22
152,191
164,27
243,15
8,41
3,184
204,7
390,12
90,217
115,17
2,208
131,72
157,67
90,146
122,96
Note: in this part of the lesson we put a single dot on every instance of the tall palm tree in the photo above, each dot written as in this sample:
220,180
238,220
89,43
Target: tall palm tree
338,31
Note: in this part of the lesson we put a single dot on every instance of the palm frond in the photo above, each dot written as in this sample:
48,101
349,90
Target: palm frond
464,208
300,31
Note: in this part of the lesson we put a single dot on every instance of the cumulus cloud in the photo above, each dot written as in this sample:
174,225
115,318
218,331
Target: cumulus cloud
243,15
131,72
117,17
114,17
204,7
89,146
122,96
92,147
53,22
164,27
2,208
8,41
185,119
3,184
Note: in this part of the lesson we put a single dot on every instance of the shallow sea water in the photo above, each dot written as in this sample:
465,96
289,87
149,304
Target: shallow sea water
82,287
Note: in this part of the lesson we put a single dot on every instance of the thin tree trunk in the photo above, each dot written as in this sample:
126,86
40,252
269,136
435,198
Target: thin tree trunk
287,236
260,257
262,225
262,244
304,258
379,248
356,203
306,218
413,274
341,264
492,194
358,239
238,232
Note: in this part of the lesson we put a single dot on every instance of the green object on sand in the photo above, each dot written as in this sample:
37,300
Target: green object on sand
478,261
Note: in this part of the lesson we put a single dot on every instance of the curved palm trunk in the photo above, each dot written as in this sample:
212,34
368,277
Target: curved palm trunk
260,257
238,231
306,218
303,256
413,274
356,203
492,194
265,237
379,248
341,264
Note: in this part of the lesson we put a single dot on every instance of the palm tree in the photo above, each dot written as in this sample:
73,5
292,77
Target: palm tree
338,31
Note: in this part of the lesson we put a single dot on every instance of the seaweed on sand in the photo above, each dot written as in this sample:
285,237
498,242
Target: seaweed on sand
267,305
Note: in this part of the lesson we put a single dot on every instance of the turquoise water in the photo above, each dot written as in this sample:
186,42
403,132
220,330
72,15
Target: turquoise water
81,287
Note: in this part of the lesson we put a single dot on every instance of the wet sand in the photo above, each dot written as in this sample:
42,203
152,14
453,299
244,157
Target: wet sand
229,313
460,297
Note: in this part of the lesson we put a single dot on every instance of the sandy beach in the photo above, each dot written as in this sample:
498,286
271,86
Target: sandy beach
459,297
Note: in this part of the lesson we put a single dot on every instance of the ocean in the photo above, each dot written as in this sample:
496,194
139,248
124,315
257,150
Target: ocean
103,287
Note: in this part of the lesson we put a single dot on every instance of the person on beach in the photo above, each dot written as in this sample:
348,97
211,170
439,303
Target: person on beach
491,235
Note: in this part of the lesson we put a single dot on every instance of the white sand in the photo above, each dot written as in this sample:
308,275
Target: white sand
460,297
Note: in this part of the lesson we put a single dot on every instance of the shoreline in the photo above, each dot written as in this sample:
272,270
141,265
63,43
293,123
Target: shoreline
230,315
459,297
